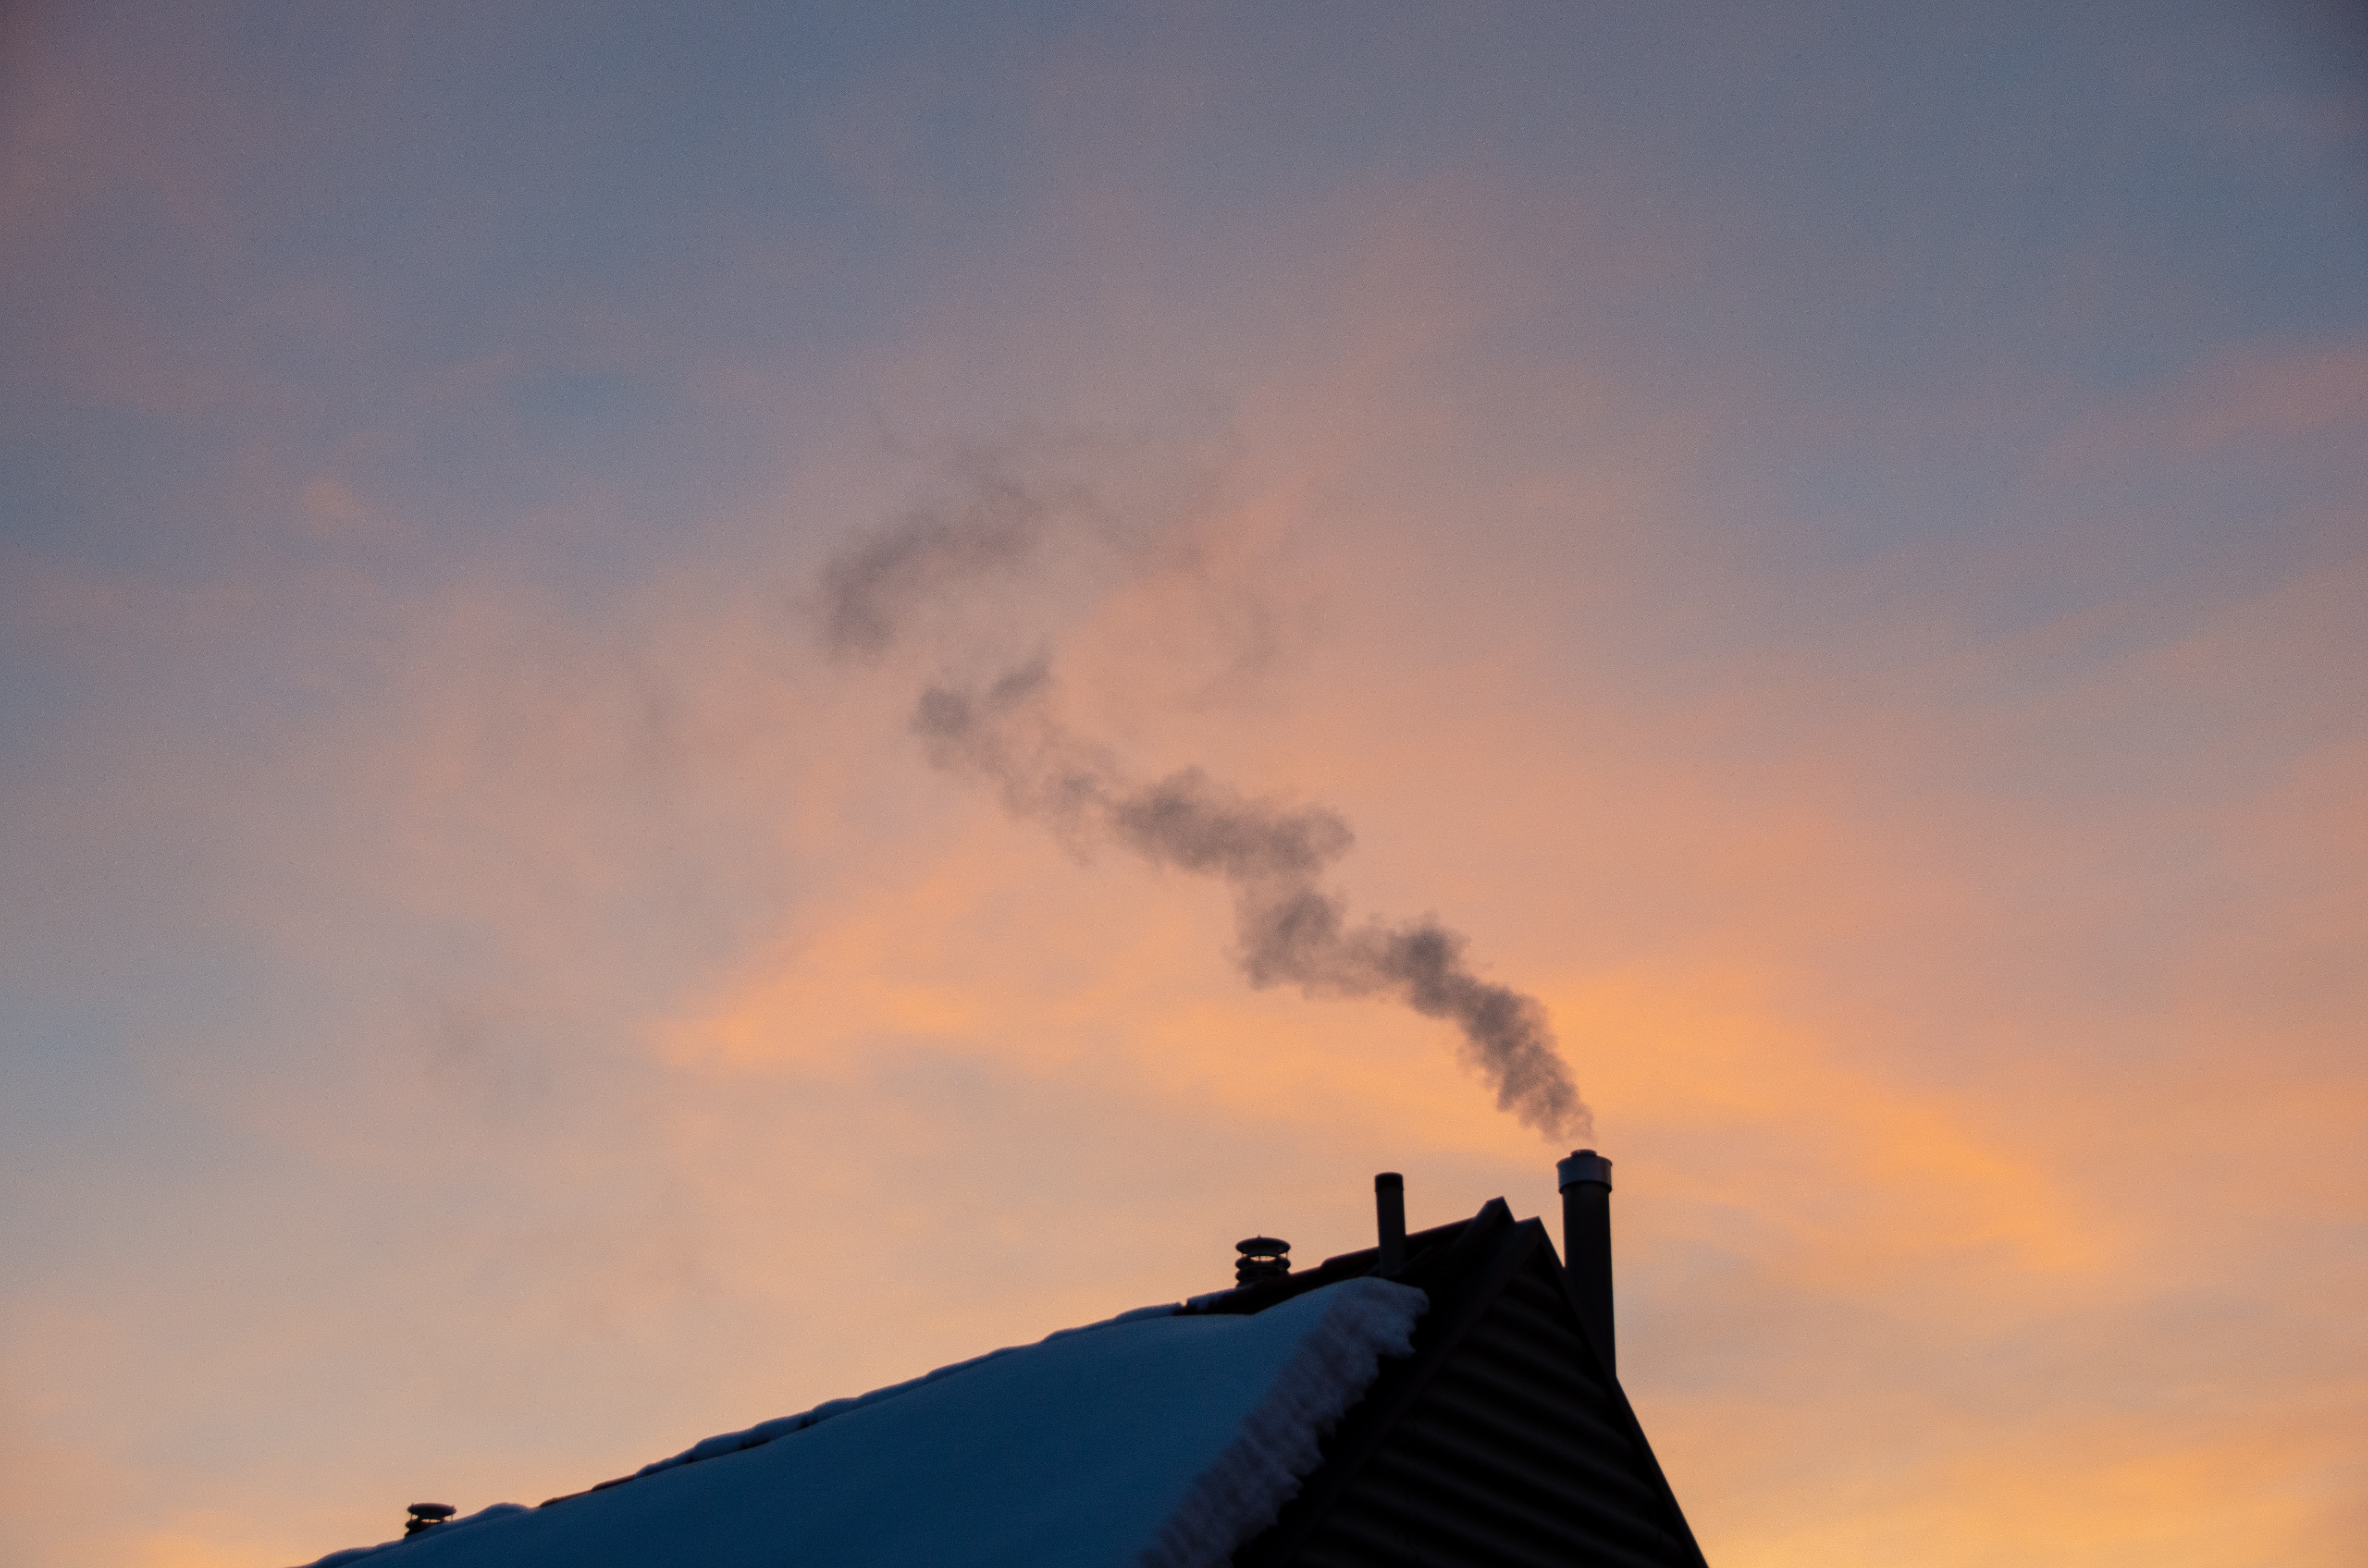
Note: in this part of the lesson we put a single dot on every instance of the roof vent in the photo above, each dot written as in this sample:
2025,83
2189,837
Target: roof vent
1389,1215
426,1514
1263,1257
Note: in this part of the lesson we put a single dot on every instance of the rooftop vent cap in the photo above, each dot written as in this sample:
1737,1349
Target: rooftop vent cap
1263,1257
423,1514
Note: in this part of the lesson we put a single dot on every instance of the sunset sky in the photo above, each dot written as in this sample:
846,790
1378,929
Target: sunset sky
1829,541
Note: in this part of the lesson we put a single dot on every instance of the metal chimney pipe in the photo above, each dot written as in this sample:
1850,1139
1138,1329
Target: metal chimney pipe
1586,1179
1389,1210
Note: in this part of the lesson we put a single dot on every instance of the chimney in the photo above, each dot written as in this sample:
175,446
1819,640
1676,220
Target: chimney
1586,1179
1389,1210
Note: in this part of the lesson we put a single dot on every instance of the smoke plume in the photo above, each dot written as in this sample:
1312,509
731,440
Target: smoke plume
1271,855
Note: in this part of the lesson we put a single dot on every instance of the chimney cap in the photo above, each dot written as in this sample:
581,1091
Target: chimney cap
1584,1165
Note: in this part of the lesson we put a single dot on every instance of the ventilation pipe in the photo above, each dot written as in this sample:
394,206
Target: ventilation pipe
1586,1181
1389,1212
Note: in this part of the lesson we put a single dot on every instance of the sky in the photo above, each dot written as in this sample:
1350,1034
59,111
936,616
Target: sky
1827,543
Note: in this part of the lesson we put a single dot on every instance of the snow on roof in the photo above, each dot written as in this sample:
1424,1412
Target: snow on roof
1159,1438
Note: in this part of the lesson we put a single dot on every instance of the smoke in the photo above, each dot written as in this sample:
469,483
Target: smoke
871,588
1273,856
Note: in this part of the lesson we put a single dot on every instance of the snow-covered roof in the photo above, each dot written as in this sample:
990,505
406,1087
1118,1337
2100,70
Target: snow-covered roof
1162,1437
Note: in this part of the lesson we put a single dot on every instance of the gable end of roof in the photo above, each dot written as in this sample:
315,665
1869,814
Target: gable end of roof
1502,1441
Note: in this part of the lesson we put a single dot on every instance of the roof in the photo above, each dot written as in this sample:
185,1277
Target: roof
1455,1412
1505,1441
1163,1435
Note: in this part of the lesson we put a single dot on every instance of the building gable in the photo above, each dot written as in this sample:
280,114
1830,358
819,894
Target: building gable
1502,1442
